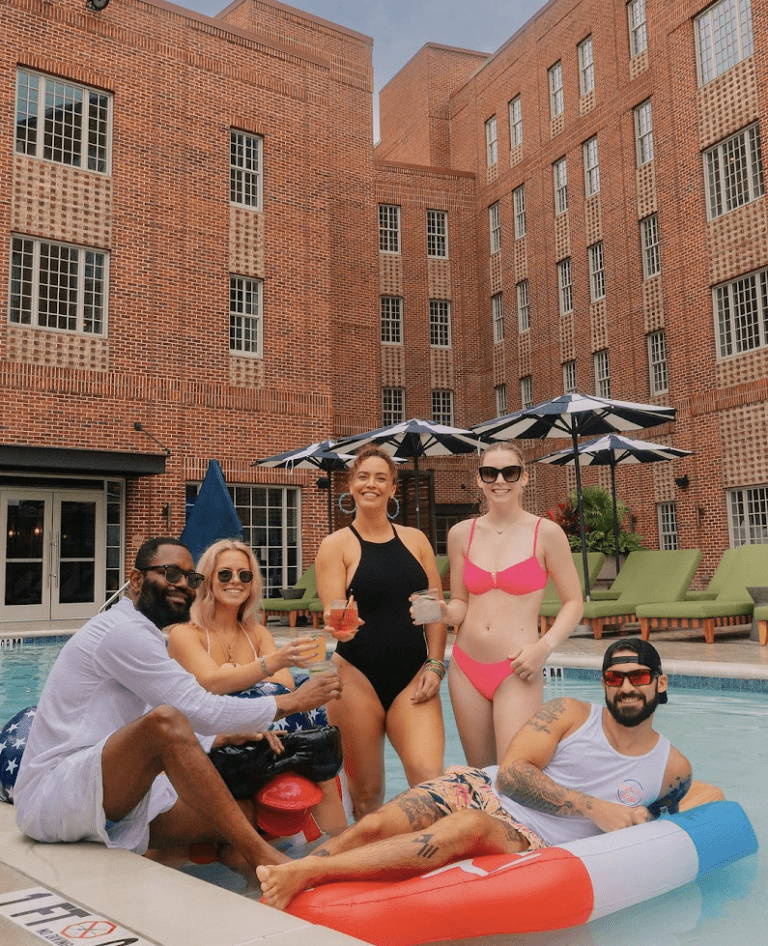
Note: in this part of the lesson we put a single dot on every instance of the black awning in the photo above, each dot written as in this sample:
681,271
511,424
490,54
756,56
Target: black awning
106,462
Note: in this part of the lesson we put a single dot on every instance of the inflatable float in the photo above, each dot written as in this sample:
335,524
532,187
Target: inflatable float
551,889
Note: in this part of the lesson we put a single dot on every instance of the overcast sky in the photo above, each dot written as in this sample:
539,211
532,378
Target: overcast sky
401,27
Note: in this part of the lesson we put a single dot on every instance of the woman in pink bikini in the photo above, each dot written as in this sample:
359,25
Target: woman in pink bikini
500,563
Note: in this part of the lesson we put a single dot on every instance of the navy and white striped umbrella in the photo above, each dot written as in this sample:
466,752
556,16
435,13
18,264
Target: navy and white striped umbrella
320,456
414,439
611,450
575,415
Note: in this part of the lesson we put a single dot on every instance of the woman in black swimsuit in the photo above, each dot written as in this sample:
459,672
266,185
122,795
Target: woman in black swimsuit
391,668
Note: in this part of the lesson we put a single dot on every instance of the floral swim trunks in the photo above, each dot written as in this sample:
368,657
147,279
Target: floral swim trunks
463,787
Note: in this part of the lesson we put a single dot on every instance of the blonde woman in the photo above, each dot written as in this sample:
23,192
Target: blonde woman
500,563
228,651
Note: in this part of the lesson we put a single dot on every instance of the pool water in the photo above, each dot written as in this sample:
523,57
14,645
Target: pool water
722,733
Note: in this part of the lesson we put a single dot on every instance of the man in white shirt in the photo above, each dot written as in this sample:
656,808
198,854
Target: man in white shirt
113,754
574,770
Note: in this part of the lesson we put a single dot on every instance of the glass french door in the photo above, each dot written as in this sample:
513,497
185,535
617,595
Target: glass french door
52,555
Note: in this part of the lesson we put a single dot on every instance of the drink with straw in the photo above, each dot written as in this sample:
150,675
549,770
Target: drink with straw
343,616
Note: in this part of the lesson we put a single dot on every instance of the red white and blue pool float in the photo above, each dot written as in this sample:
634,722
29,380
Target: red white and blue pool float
551,889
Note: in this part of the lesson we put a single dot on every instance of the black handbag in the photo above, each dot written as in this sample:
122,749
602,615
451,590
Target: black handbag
313,753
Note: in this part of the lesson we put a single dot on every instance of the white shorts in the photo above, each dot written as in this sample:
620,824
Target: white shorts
67,805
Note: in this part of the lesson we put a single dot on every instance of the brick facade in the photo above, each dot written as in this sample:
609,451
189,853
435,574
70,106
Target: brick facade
181,82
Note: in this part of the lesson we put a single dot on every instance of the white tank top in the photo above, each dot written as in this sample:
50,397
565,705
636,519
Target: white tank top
586,762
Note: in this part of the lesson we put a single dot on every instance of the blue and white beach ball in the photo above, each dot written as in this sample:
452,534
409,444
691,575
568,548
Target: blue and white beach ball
13,739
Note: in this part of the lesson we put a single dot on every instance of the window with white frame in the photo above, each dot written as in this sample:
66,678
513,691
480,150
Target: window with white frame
500,393
667,517
591,166
245,316
560,181
569,377
494,224
734,172
392,406
602,373
389,228
748,515
596,272
62,121
58,286
565,286
515,122
437,234
523,306
245,169
439,323
586,66
518,200
644,133
526,391
723,37
741,314
442,407
491,142
657,362
649,233
497,313
638,33
391,308
556,94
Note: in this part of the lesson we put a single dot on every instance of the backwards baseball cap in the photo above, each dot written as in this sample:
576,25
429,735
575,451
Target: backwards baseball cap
645,654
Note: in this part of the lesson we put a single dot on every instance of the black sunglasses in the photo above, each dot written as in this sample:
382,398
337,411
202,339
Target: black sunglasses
173,574
638,678
225,574
489,474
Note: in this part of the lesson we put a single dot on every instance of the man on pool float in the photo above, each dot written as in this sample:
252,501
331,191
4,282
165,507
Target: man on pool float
574,770
113,754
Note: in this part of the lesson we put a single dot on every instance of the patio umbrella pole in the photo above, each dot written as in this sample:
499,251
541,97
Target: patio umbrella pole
330,502
416,483
615,518
584,559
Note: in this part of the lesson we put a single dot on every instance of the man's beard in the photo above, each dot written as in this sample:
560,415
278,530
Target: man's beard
633,716
153,602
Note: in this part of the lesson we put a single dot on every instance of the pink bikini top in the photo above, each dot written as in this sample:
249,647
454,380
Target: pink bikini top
519,579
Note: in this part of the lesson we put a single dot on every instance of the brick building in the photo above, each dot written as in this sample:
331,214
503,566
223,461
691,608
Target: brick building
217,263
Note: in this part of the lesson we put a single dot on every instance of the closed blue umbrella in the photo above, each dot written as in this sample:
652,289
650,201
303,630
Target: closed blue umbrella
213,516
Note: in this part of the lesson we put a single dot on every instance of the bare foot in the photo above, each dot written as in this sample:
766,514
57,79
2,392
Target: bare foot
279,885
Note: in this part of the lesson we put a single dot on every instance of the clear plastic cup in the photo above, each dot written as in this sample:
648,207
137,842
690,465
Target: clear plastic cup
320,655
426,607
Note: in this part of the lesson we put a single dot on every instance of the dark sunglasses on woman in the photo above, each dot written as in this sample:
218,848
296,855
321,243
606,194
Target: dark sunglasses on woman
489,474
225,575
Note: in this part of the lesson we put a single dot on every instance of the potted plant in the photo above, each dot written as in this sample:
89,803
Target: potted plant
598,525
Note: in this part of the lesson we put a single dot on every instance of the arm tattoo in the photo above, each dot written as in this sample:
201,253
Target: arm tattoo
529,786
669,804
547,715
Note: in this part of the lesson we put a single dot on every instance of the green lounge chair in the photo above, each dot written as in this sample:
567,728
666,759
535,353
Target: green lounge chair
732,606
649,576
717,581
550,605
293,607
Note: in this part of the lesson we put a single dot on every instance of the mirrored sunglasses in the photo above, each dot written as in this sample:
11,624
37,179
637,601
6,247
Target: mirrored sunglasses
489,474
638,678
173,574
225,575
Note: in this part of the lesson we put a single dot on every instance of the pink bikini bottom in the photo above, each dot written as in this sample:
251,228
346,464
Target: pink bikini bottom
485,678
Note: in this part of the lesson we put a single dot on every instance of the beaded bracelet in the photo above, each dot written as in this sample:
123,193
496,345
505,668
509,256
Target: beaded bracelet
264,666
436,666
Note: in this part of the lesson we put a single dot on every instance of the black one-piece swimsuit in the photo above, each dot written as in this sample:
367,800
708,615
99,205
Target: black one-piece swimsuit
389,649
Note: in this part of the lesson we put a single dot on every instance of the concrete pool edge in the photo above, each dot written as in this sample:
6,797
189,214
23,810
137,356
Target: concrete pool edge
163,905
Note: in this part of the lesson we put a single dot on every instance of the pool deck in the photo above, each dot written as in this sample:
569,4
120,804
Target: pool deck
166,907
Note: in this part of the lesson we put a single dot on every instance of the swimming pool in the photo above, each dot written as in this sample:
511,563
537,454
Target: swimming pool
724,735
